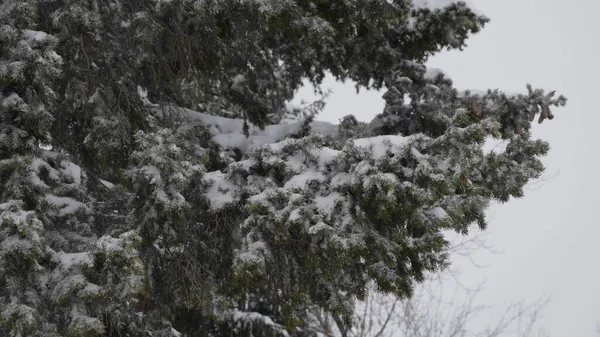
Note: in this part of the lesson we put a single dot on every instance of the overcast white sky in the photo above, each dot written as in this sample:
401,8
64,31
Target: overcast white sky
550,239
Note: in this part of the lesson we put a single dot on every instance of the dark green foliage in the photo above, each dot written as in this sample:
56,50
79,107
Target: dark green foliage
154,181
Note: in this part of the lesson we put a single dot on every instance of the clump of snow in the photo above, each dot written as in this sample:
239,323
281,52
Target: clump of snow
85,323
238,80
91,289
34,35
67,205
109,185
319,227
301,180
340,179
244,318
15,244
381,144
67,284
295,215
254,253
121,244
404,79
441,4
221,190
74,171
12,100
69,259
327,203
109,243
229,134
151,173
23,312
37,164
432,4
326,155
439,213
495,145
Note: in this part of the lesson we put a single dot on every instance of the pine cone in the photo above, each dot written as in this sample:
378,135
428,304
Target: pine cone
544,114
477,109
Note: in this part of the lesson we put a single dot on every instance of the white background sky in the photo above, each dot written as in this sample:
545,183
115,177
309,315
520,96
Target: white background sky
550,239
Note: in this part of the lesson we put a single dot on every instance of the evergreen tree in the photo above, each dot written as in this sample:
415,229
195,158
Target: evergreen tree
28,65
156,181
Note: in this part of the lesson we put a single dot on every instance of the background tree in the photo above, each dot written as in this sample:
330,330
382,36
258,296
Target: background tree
441,306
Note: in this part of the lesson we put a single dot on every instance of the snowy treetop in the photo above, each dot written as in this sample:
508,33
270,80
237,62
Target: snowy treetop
122,214
375,198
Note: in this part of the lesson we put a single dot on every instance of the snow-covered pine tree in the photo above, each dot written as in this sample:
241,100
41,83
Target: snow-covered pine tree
28,64
182,195
44,219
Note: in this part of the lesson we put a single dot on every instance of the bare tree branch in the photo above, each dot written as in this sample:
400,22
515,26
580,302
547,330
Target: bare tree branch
433,311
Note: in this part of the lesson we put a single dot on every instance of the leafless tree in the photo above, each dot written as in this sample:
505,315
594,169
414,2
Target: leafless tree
427,314
435,312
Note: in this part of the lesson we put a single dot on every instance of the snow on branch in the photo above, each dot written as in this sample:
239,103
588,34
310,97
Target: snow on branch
441,4
245,320
229,133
